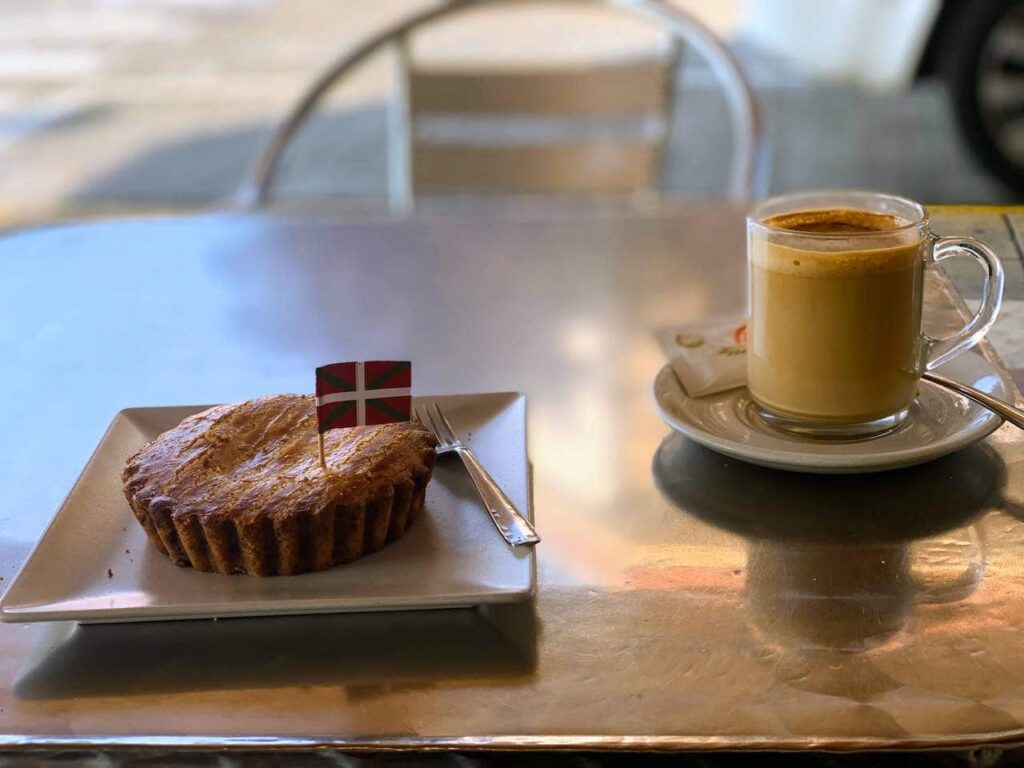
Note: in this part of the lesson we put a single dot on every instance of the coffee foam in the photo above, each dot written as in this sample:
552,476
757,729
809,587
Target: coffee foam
836,242
831,221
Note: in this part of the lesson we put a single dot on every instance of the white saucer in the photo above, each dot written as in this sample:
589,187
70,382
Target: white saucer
940,422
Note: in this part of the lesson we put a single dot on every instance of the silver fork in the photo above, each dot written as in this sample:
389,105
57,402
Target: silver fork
513,527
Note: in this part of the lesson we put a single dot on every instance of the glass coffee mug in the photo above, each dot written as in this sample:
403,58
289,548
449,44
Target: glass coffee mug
835,345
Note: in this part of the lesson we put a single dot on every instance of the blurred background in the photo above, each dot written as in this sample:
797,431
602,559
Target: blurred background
137,105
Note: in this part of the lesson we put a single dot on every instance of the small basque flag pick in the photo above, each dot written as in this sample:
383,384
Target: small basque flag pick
362,393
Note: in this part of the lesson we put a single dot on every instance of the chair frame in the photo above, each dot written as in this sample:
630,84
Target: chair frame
749,166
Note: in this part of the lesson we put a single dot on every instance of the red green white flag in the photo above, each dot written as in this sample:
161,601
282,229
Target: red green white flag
361,393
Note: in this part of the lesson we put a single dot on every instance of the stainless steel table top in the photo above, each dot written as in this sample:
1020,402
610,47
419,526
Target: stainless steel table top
685,600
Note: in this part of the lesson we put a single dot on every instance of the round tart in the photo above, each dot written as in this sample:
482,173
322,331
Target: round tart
239,488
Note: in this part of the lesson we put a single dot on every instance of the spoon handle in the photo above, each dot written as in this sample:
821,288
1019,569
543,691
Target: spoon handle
1013,415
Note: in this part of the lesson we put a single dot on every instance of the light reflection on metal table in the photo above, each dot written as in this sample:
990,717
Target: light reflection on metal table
686,601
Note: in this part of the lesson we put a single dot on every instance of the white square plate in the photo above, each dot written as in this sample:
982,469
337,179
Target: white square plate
94,563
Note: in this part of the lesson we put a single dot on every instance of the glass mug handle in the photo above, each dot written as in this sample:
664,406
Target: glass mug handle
935,352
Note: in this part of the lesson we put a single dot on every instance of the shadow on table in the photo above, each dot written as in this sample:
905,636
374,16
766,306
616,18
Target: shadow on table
837,565
366,652
838,562
758,503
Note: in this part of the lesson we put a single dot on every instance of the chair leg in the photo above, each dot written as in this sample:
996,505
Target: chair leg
400,194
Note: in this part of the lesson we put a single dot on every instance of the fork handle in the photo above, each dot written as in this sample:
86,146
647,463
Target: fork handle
513,527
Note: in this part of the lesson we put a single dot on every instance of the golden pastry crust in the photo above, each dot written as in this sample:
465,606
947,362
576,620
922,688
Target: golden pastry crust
239,488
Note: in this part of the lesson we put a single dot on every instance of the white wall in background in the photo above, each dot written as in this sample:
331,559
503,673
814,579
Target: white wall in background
876,43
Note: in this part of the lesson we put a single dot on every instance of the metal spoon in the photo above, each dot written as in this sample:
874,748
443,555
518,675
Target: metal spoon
1013,415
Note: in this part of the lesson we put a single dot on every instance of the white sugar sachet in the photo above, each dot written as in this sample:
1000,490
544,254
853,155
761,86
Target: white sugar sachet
709,357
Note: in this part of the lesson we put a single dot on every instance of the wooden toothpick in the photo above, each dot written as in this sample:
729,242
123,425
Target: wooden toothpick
320,445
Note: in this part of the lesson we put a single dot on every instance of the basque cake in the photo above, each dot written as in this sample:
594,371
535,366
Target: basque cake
239,488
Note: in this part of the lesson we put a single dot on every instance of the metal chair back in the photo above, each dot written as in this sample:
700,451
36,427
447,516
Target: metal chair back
613,162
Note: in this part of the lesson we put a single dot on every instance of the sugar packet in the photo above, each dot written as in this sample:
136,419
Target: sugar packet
709,357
